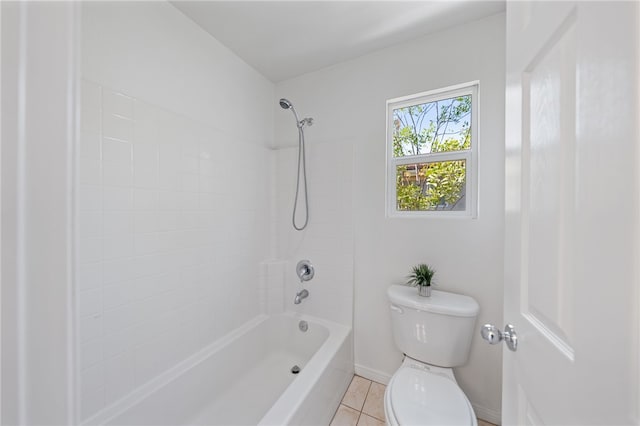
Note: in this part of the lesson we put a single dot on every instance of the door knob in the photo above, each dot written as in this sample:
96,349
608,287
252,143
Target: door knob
493,335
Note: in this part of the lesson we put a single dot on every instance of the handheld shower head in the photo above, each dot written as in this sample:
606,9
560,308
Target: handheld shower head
285,104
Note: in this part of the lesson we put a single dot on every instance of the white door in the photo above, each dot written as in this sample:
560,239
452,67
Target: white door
572,218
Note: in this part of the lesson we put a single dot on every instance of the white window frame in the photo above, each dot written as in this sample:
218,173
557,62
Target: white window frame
469,156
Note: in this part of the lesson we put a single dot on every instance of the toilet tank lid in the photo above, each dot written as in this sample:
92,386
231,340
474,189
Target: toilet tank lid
440,302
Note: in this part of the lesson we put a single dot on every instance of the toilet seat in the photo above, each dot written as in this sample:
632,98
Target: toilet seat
426,396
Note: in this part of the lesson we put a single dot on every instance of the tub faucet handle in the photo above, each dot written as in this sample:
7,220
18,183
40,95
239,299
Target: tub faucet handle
305,270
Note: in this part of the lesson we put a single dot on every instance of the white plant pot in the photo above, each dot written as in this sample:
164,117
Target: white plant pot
424,290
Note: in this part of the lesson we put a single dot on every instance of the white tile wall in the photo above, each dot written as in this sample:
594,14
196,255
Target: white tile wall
272,278
171,229
328,239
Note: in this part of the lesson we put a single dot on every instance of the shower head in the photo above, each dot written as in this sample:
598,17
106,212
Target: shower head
285,104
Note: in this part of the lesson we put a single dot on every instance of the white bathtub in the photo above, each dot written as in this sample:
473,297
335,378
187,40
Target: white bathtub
245,379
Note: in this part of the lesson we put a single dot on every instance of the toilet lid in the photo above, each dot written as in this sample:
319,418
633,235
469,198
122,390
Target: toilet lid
419,397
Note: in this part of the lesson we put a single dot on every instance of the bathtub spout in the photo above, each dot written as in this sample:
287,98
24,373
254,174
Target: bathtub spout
302,294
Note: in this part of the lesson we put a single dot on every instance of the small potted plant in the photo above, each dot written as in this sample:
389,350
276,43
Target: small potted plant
421,276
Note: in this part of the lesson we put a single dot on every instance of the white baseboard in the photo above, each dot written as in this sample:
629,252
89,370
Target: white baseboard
371,374
487,414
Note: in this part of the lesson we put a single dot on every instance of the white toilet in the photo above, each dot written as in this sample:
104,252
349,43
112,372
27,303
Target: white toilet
435,335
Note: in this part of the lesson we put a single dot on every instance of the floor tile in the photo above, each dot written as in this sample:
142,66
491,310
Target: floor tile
374,404
363,405
345,416
356,393
366,420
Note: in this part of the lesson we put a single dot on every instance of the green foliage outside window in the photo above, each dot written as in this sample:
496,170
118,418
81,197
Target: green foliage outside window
440,126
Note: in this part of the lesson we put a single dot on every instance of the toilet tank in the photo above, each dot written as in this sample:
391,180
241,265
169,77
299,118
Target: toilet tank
436,330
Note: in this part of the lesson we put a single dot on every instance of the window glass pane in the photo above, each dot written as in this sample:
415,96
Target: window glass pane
438,126
431,186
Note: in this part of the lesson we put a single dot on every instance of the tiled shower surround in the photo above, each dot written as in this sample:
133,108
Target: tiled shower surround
172,225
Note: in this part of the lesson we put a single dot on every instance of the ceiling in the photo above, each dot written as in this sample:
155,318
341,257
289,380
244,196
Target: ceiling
284,39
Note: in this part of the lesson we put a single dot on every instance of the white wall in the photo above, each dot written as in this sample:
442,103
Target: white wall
348,104
173,194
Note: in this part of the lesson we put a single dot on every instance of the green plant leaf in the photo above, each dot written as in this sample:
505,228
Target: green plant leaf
421,275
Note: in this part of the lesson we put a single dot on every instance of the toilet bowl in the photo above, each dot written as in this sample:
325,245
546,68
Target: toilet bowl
420,394
435,335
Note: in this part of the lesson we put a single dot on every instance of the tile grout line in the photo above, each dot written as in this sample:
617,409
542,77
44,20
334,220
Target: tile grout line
365,397
365,401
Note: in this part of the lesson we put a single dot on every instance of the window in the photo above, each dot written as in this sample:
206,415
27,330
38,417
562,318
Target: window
432,148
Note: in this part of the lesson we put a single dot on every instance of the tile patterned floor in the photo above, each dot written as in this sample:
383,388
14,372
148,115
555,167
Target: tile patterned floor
362,405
